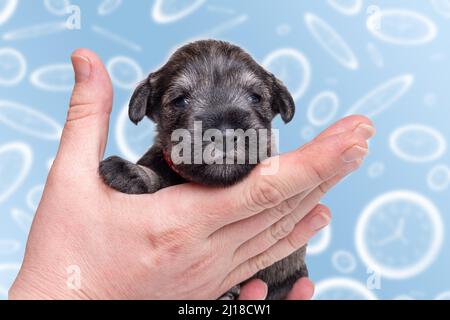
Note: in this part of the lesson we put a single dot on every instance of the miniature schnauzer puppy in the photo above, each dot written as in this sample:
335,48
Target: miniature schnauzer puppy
219,85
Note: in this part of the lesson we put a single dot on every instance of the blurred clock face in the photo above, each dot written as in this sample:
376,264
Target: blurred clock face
292,67
342,289
399,234
320,242
343,261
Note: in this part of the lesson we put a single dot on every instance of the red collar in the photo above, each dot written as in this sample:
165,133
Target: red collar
172,165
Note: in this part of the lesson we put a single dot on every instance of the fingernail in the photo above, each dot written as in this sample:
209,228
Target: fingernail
318,221
82,68
266,291
365,130
354,153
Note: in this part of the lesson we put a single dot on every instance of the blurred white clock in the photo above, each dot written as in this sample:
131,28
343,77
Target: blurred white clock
320,242
342,289
399,234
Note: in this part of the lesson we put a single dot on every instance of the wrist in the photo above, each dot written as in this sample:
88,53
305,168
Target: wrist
35,287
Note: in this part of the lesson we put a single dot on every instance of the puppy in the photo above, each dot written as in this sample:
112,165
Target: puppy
220,86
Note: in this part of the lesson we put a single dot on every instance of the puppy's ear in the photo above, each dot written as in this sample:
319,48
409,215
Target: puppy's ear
140,101
282,102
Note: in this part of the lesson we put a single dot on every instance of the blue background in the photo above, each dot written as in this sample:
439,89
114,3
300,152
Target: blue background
258,34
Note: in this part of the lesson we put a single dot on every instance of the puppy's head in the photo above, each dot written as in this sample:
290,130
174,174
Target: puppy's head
212,87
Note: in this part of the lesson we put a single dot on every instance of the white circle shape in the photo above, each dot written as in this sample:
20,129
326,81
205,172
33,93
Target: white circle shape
320,242
283,29
342,289
35,31
163,16
438,178
402,27
133,141
442,7
308,133
125,72
56,77
347,7
331,41
417,143
9,246
382,97
12,155
286,64
107,7
13,66
29,121
373,210
343,261
57,7
34,196
443,296
323,108
376,169
7,8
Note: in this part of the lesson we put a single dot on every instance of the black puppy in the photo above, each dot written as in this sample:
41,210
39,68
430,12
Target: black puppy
220,86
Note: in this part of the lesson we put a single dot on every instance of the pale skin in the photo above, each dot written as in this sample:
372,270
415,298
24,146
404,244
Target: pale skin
183,242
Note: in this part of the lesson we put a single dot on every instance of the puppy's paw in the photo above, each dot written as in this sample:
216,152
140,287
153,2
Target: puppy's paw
232,294
127,177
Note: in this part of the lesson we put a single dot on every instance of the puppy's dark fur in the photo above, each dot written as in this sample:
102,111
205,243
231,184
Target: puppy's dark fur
222,86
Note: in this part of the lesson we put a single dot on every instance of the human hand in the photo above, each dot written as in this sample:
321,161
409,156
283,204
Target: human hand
303,289
183,242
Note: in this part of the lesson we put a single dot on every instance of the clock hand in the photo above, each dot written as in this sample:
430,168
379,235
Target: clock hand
397,234
386,240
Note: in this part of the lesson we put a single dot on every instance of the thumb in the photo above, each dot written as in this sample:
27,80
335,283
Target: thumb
254,289
85,132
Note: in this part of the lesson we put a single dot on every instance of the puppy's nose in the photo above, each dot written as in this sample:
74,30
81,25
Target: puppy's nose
230,119
228,132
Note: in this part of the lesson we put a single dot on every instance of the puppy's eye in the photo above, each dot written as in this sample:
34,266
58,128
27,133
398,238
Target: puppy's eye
255,98
181,102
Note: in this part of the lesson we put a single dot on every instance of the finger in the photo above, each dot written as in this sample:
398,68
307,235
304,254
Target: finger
281,229
241,231
343,125
303,289
316,220
297,171
244,230
255,289
85,132
255,225
301,170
